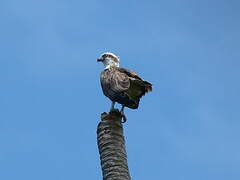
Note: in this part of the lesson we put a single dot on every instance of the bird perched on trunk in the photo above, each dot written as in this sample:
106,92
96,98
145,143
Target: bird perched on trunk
121,85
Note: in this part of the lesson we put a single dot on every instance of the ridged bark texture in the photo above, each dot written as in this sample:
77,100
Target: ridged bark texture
111,145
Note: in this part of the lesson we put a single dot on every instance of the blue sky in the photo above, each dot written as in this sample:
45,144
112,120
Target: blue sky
51,100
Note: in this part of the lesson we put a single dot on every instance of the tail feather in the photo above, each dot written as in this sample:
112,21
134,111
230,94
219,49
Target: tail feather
138,88
148,86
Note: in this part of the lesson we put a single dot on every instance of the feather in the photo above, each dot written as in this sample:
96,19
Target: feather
124,86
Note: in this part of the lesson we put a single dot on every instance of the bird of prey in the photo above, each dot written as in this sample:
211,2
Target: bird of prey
121,85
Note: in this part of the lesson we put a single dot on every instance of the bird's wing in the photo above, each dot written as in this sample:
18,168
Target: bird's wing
120,81
129,73
114,83
124,86
135,79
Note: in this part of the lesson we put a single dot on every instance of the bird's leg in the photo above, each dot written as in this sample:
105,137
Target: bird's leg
122,109
112,106
123,115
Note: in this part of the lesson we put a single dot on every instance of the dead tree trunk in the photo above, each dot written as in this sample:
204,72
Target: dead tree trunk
111,145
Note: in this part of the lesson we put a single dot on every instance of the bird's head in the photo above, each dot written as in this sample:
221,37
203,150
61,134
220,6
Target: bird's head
109,60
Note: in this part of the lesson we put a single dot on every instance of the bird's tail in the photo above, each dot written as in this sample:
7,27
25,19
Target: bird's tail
147,86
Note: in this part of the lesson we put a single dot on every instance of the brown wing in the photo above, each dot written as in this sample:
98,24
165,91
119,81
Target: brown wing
115,84
124,86
138,87
120,81
130,73
136,79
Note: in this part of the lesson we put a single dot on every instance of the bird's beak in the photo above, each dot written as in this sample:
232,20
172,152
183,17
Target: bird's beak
99,60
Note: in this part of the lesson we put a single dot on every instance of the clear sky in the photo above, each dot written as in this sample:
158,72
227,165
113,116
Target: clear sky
51,100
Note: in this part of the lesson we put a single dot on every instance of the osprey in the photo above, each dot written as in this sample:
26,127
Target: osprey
121,85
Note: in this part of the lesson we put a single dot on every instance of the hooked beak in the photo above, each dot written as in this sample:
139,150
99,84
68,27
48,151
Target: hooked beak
99,60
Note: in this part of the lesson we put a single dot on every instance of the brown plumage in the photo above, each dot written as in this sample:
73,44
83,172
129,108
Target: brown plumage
121,85
124,86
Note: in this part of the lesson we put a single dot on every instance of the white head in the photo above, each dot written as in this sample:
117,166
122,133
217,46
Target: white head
109,60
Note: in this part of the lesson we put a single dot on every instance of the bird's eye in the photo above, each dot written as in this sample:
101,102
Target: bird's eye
104,56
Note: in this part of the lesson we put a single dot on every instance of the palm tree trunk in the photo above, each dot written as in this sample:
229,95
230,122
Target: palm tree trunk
111,145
